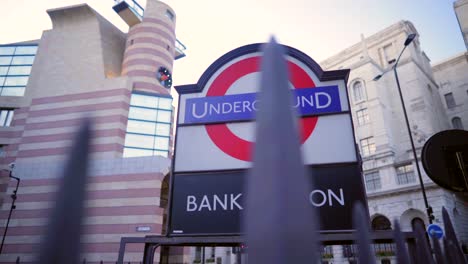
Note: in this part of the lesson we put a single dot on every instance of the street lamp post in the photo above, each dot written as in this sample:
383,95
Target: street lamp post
408,40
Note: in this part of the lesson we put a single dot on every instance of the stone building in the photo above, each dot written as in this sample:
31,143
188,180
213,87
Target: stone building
391,179
461,10
452,78
451,75
85,66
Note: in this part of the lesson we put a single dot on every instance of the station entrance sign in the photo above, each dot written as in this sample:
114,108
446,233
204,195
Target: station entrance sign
215,136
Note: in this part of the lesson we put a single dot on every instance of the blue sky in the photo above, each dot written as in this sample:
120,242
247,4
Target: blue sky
210,28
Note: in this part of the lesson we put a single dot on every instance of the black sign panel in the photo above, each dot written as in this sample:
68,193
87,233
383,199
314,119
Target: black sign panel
212,203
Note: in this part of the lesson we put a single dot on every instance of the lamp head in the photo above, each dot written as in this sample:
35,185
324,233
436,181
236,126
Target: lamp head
410,39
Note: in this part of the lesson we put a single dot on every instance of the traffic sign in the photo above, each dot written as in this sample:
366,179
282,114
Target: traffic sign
434,230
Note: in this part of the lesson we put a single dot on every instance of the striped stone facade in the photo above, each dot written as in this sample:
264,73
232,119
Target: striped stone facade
150,45
85,67
122,195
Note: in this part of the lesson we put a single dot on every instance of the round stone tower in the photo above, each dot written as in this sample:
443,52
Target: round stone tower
149,52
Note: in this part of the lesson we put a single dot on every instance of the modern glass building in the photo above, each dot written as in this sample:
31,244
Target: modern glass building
15,66
149,126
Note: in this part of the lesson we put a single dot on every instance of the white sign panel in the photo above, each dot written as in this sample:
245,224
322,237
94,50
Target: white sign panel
216,120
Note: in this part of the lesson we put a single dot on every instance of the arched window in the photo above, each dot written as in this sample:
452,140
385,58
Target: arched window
381,223
457,123
359,92
417,221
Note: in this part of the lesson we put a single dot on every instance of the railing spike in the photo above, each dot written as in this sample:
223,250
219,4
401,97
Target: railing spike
452,237
62,240
423,250
362,237
280,226
401,252
439,255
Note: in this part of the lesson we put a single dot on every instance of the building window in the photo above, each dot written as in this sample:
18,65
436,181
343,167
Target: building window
417,221
170,15
405,174
389,54
15,67
358,91
450,100
148,126
372,181
381,222
457,123
362,117
2,150
368,146
6,116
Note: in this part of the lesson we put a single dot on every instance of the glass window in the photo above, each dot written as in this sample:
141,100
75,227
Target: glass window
358,91
381,222
389,54
144,100
13,79
3,71
2,150
457,123
148,127
134,152
362,117
450,100
161,153
142,113
5,60
26,50
7,50
140,141
372,181
19,70
163,129
12,91
141,127
20,60
170,15
368,146
417,221
6,116
16,81
165,103
161,143
164,116
405,174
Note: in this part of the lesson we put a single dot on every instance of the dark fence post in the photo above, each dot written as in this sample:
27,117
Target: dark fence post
18,260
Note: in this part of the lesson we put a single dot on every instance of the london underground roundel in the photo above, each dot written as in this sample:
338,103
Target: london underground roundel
216,116
222,136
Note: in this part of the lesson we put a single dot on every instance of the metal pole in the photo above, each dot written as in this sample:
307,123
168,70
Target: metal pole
13,206
203,255
423,190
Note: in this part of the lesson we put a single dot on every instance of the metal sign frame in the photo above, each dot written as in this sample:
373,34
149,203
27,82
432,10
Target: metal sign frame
341,75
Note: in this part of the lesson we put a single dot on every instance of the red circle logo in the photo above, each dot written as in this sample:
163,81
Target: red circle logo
222,136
